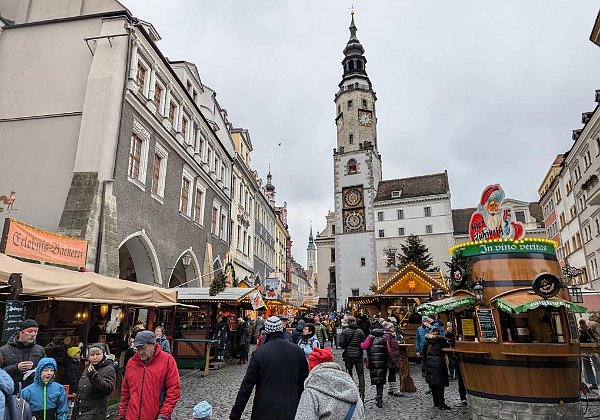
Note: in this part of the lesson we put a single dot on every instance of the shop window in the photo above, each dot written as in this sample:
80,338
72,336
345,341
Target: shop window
543,325
466,325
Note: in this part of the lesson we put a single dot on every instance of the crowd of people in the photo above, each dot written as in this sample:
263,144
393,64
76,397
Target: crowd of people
589,332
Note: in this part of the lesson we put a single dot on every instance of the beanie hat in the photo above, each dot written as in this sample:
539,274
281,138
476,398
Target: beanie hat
28,323
202,410
72,351
273,324
318,356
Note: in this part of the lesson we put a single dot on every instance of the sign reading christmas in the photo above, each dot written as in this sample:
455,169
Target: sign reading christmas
493,221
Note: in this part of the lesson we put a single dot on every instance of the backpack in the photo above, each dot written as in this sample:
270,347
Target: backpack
16,406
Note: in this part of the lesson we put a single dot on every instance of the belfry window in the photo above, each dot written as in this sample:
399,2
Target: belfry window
352,167
351,65
351,139
359,65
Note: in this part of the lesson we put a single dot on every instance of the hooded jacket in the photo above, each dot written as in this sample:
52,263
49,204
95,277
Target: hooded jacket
378,356
328,394
6,387
297,334
94,387
164,344
142,386
436,372
350,339
594,324
47,400
15,352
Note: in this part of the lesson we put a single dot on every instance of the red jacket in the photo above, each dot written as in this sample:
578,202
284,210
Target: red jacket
142,386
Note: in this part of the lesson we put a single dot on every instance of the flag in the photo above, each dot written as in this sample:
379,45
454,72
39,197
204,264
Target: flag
256,300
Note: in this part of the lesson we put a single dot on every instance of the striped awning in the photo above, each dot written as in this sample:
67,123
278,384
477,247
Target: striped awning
526,301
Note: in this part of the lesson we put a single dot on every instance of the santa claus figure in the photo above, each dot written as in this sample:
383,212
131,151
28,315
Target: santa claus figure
491,221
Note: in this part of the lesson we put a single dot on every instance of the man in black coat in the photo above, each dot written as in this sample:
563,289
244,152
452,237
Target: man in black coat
278,369
22,354
350,339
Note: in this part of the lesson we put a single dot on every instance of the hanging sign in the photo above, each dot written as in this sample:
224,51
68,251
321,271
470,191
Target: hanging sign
493,221
256,300
487,325
468,327
13,316
22,240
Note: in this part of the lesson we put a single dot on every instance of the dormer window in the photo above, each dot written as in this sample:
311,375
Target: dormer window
396,194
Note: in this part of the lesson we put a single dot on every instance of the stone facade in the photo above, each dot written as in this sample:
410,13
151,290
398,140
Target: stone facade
489,409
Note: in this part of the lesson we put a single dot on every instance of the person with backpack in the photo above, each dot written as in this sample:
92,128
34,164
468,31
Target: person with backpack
350,339
47,398
7,387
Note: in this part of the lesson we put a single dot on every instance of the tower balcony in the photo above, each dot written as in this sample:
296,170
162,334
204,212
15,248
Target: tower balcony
353,86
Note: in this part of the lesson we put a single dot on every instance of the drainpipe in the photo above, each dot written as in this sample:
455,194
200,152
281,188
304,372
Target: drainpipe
130,28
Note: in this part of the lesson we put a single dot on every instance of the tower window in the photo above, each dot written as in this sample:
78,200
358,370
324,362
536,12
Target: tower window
364,103
339,109
429,229
351,139
381,233
332,250
359,64
352,166
350,104
333,229
362,261
351,65
355,292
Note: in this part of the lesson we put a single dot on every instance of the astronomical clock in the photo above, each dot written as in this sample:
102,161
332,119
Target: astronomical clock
353,214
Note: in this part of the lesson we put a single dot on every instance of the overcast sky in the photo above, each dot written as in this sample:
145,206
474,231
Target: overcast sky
488,91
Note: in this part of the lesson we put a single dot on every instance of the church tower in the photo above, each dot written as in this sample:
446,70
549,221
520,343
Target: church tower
357,173
311,252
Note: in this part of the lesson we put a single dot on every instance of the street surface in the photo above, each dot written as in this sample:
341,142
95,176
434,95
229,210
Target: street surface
221,386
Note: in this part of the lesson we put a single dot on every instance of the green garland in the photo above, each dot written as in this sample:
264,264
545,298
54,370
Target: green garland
461,262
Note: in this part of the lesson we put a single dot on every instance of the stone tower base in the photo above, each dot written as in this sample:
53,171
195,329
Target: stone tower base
489,409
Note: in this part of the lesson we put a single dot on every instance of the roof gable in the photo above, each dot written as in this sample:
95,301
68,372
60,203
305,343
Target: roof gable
418,186
411,279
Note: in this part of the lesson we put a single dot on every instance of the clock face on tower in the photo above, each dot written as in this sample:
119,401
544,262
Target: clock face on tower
352,197
340,123
365,118
354,220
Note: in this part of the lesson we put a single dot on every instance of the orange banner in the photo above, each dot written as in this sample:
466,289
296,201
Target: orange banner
36,244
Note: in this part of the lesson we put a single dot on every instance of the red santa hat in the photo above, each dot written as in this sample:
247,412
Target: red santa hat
318,356
489,190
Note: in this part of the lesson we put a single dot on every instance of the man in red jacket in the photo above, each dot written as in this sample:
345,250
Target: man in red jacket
151,386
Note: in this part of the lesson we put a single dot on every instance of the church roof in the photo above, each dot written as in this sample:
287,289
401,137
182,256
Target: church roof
417,186
461,219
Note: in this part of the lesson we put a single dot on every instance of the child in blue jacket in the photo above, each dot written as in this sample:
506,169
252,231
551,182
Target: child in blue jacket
48,399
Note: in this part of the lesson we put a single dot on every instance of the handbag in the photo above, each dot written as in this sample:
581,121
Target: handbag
351,411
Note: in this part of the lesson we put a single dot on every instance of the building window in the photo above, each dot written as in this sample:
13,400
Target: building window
333,229
355,292
352,166
138,152
185,203
159,170
573,212
199,206
380,216
400,214
429,229
427,211
362,261
364,102
382,233
332,253
520,216
158,90
401,231
350,138
222,226
562,219
214,221
569,187
184,127
172,109
350,104
597,146
557,195
396,194
597,223
141,77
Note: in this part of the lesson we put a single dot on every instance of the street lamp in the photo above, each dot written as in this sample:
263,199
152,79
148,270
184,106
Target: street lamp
576,295
186,259
478,290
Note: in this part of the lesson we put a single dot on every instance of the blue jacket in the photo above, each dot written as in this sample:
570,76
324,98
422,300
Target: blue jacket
308,344
47,400
7,387
420,338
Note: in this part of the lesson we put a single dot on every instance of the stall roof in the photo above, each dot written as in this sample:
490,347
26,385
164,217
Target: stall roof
62,284
524,301
201,294
444,305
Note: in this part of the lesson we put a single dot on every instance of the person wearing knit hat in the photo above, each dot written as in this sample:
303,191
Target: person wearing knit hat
389,332
328,391
202,411
72,371
21,353
277,369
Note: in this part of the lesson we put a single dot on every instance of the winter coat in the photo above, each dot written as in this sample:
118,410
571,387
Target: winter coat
287,336
394,356
94,388
242,335
378,356
142,386
420,338
15,352
307,344
278,370
328,394
47,400
350,339
7,386
297,334
221,335
594,324
260,323
71,374
164,344
321,332
436,371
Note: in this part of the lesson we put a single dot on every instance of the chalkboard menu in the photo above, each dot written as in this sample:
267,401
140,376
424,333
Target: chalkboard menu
14,315
573,331
487,324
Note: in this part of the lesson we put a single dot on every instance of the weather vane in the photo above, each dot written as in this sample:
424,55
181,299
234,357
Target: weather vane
352,8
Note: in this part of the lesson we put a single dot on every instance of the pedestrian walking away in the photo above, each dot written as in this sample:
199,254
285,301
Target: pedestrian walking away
7,387
95,385
436,370
321,332
151,386
243,340
329,393
278,370
47,398
350,340
21,354
389,332
221,334
377,357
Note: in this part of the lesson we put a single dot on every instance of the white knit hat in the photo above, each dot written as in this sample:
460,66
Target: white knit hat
273,324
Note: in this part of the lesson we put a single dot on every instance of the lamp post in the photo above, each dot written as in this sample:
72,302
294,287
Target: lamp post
575,293
186,259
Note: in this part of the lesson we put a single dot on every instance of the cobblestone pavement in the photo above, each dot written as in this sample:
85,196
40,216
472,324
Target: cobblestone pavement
220,388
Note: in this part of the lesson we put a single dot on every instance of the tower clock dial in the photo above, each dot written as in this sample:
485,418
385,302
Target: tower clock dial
353,197
340,123
354,220
365,118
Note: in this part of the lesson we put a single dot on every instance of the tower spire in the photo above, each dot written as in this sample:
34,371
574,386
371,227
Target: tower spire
354,62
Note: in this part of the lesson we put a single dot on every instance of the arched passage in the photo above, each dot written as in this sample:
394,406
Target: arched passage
138,260
186,276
